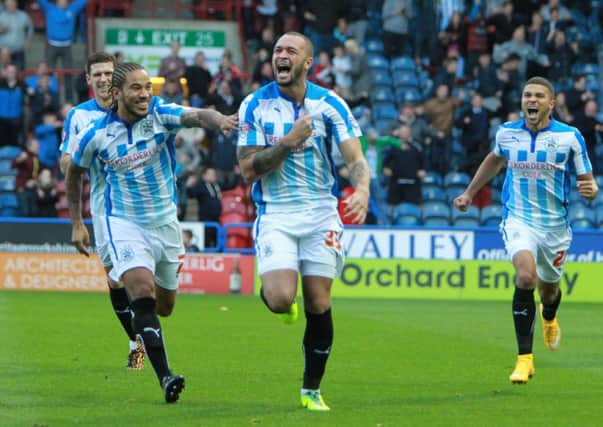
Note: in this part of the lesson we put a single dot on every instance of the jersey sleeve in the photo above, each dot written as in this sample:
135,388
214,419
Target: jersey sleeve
497,149
169,115
70,129
580,160
344,125
85,143
251,132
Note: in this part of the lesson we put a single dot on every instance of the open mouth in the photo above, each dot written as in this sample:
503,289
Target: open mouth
532,112
283,70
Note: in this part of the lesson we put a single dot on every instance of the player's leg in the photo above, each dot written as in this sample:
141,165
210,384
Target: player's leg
135,266
551,259
522,248
318,337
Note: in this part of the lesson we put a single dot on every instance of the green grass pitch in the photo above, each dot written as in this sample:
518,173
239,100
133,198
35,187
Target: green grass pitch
394,363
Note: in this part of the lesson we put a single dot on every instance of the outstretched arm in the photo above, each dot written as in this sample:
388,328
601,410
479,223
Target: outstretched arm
73,185
209,119
487,170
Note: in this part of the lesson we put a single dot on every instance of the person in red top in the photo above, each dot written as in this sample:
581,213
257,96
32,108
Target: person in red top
28,166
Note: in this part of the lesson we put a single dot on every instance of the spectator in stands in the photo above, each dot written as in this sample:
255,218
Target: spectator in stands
564,13
223,97
356,13
488,83
208,193
16,29
539,33
12,103
267,13
46,195
322,73
188,161
426,19
187,241
440,110
263,73
453,36
223,155
340,33
41,100
562,56
360,73
41,71
173,67
47,134
519,46
198,79
171,92
503,23
403,167
420,130
591,129
342,66
320,18
577,96
28,167
477,37
509,76
5,58
60,25
448,74
561,112
396,15
475,125
230,72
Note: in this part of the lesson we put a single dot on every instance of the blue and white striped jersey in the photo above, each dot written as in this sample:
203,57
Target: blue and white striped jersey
137,163
537,183
80,117
307,177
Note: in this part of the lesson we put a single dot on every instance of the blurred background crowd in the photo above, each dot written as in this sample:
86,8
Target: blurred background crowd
429,81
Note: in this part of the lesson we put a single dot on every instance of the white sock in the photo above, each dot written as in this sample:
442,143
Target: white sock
308,390
133,345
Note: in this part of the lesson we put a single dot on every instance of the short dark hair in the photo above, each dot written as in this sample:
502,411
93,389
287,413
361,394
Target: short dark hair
537,80
99,58
309,44
121,71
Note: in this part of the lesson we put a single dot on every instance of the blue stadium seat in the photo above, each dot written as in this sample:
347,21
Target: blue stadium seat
406,94
432,178
377,62
456,180
373,46
406,79
7,183
453,192
598,200
9,152
382,126
8,200
5,168
382,94
582,224
433,193
496,195
406,214
599,216
471,212
466,222
381,77
385,111
436,222
359,111
490,216
581,217
435,209
403,63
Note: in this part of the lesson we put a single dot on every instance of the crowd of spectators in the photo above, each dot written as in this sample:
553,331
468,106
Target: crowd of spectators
428,80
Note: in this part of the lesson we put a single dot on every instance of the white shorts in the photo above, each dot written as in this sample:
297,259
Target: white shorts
305,241
100,240
549,248
158,249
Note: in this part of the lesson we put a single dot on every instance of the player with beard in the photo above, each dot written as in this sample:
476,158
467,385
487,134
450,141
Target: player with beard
538,152
287,130
133,147
99,71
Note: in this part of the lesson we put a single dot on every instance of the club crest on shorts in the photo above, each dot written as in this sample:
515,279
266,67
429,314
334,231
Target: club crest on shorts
267,251
146,128
126,253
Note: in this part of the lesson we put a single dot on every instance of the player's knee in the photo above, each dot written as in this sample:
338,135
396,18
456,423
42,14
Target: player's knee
164,309
278,300
317,305
525,279
114,285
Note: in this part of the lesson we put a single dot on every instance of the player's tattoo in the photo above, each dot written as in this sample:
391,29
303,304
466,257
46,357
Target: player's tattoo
265,160
359,173
203,118
73,190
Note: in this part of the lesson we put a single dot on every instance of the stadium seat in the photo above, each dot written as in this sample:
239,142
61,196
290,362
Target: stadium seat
490,216
582,224
496,195
581,217
403,63
382,95
599,216
5,168
406,79
7,183
406,214
436,222
381,77
9,152
575,197
466,222
8,200
453,192
435,210
433,193
383,126
432,178
472,212
458,180
598,200
377,62
373,46
385,111
408,94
